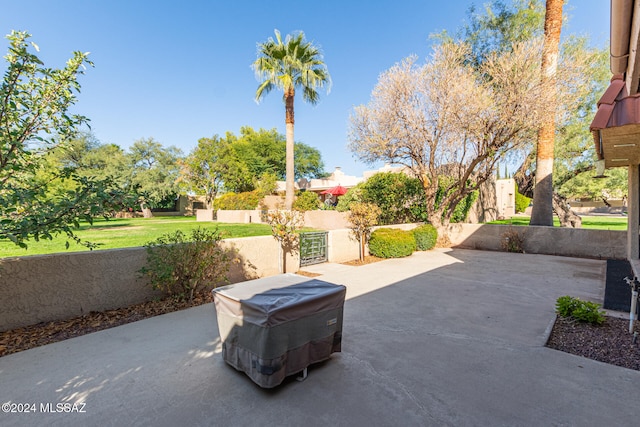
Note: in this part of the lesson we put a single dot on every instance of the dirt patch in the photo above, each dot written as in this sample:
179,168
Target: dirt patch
367,260
21,339
307,273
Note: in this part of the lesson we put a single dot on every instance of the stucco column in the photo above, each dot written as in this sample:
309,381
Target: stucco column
633,213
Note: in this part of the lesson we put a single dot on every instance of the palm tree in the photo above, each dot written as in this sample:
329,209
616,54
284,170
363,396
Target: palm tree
287,65
542,211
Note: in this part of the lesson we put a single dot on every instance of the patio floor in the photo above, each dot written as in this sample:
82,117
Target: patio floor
445,337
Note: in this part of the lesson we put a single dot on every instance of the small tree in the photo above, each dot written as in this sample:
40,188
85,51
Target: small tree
284,225
363,216
182,265
446,118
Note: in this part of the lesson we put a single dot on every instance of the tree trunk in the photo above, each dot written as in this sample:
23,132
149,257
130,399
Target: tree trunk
567,217
542,213
290,170
146,212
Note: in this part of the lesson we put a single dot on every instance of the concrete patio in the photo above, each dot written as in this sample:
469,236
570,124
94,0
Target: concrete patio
446,337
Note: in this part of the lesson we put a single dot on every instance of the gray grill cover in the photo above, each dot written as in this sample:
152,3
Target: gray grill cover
277,326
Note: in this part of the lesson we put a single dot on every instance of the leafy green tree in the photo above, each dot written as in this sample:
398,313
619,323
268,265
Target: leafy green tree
201,171
154,172
287,65
239,163
35,119
499,26
585,74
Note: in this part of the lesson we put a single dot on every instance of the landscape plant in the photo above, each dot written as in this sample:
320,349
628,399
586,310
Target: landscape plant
513,240
306,201
247,200
580,310
284,227
391,243
426,236
363,216
522,201
181,265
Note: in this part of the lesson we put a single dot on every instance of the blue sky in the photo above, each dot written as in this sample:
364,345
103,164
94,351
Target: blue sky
180,71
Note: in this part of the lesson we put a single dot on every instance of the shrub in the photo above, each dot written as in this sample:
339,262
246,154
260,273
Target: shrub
353,195
391,243
238,201
306,201
181,265
522,202
426,237
582,311
400,198
513,241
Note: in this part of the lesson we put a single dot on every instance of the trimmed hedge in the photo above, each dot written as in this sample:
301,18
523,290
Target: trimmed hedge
391,243
248,200
426,236
306,201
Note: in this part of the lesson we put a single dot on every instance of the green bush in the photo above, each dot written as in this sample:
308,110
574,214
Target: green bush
181,265
391,243
522,202
582,311
426,236
354,195
306,201
238,201
400,198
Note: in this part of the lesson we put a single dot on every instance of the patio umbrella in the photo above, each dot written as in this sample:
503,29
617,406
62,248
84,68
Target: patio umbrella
338,190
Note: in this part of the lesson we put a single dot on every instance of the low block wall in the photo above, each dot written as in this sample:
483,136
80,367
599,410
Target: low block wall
575,242
326,220
239,217
205,214
43,288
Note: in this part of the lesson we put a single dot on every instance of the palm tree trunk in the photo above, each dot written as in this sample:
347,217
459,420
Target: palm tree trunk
542,212
289,168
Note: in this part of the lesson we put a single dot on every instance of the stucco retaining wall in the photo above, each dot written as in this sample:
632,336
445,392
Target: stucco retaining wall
575,242
43,288
326,220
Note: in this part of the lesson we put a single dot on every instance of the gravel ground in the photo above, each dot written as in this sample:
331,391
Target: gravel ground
610,342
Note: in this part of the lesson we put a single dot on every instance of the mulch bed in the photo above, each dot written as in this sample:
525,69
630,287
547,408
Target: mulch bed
369,259
609,343
21,339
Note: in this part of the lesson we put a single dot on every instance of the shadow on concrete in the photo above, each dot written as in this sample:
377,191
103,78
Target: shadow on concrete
446,337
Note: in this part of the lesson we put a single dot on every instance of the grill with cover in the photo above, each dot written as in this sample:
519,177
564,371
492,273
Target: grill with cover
277,326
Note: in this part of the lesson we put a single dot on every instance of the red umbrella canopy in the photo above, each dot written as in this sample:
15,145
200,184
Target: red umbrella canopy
338,190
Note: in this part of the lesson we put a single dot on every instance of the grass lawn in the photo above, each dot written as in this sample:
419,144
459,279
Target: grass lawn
592,222
124,233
